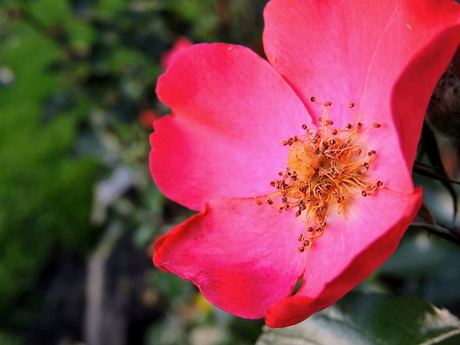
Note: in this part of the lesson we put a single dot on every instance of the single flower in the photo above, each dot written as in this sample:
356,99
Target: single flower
300,166
148,116
180,44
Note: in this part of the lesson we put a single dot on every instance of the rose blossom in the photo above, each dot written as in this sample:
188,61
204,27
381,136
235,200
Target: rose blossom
300,166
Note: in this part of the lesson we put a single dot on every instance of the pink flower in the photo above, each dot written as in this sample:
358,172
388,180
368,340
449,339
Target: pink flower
180,44
148,116
238,120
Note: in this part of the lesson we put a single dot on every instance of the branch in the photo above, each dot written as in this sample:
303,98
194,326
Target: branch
425,220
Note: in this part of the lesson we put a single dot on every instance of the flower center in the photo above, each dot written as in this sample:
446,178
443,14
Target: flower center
325,169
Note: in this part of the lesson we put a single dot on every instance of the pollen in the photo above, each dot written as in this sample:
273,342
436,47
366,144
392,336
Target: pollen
326,169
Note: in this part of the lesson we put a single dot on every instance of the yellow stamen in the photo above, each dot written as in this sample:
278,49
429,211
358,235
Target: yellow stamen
326,167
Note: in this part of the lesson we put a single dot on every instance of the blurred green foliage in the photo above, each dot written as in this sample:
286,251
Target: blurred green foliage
44,192
74,77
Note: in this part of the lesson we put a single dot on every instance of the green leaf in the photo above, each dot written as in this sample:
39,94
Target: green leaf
108,8
81,34
49,12
360,319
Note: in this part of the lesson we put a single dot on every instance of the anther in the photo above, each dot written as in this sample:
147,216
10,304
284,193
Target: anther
258,202
325,165
312,98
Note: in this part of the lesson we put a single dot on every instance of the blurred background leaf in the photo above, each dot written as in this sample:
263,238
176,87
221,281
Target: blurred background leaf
369,320
79,211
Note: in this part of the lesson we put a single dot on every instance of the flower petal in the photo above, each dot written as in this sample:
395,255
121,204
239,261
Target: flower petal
320,49
242,256
231,110
351,248
414,88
